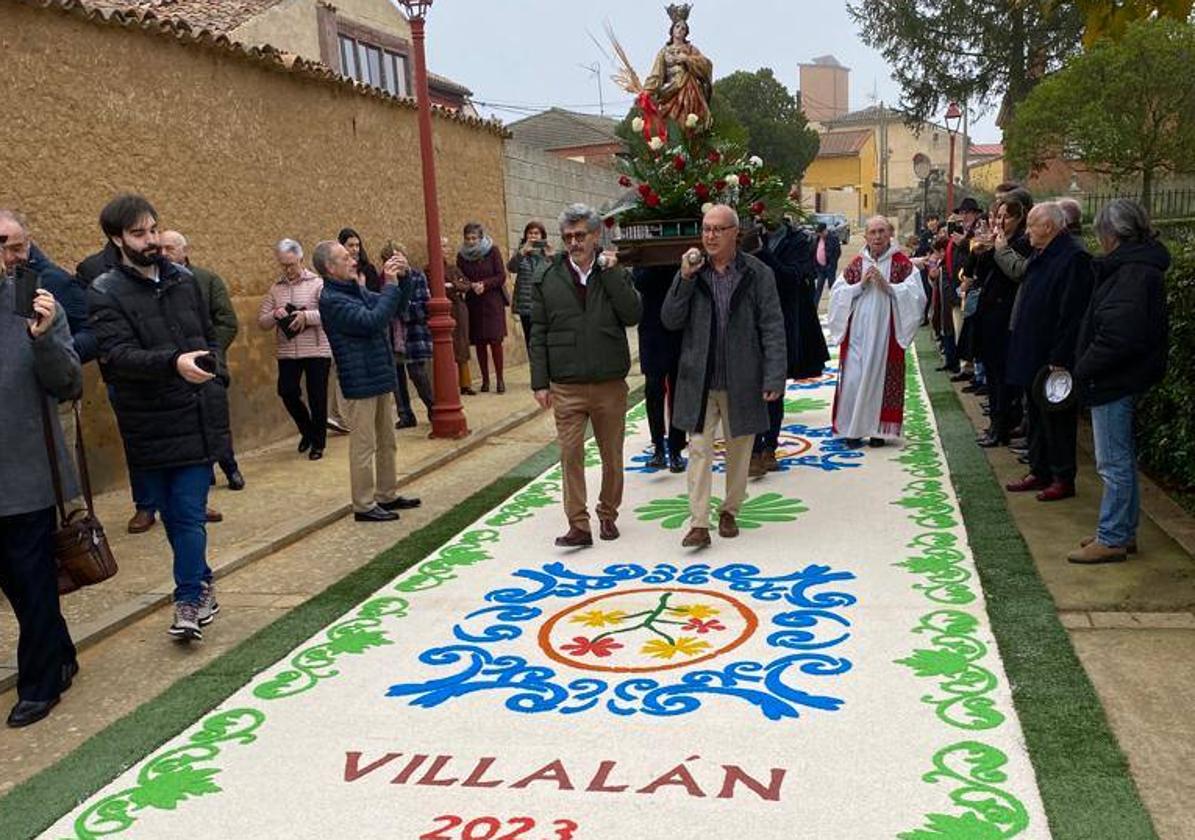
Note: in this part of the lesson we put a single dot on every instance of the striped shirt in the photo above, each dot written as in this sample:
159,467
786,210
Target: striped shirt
723,283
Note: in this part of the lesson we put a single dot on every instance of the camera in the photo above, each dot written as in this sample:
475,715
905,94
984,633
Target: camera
954,227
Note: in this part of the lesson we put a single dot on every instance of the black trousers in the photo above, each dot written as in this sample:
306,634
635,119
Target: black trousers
658,392
311,418
769,440
1053,436
419,374
525,320
30,582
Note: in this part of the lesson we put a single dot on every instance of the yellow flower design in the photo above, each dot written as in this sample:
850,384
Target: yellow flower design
597,618
694,610
661,649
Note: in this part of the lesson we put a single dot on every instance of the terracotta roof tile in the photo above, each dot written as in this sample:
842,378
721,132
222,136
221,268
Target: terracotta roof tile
986,150
557,128
843,143
221,16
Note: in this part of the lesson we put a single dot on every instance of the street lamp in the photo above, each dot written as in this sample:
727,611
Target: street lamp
448,416
953,116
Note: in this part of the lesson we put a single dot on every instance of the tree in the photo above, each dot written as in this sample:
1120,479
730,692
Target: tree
978,53
1102,18
1124,108
776,127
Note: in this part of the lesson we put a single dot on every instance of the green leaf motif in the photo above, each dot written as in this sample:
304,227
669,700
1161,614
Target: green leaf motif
934,663
988,811
358,641
800,405
945,827
673,512
166,791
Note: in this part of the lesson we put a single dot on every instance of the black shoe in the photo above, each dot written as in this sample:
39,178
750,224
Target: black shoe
657,461
876,442
970,389
69,671
29,711
400,503
501,389
304,444
965,376
853,443
375,514
485,387
946,369
983,391
406,423
315,454
236,481
676,463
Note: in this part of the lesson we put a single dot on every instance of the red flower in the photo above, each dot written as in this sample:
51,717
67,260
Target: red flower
744,179
703,192
581,646
699,626
720,184
713,157
678,163
624,181
608,221
652,200
758,207
645,190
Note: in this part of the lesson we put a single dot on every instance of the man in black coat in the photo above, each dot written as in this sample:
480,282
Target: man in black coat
791,254
659,356
1054,295
161,360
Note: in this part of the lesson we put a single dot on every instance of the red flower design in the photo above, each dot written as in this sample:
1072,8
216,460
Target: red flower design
758,207
624,181
652,200
699,626
744,179
713,157
645,190
720,184
678,163
581,646
703,192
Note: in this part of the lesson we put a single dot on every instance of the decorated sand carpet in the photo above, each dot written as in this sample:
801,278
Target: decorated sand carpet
830,673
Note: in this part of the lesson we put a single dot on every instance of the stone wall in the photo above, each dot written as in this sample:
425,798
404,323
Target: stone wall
234,150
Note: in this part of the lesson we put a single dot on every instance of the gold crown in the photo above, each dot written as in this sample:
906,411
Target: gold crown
679,12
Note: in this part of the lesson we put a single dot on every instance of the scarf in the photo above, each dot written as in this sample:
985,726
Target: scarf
481,250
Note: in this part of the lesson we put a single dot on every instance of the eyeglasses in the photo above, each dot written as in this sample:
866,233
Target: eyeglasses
716,230
575,237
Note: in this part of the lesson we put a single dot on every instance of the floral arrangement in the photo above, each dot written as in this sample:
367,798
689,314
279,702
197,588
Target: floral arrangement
678,171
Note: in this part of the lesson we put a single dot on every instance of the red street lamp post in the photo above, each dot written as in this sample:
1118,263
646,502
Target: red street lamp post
448,416
953,116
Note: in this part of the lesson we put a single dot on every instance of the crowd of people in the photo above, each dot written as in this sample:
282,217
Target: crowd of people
1021,311
1029,318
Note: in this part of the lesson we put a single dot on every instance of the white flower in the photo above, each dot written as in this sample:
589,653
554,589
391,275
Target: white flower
744,179
707,207
656,144
637,124
755,160
691,121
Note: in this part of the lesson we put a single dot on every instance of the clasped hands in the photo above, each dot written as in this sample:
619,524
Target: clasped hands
874,275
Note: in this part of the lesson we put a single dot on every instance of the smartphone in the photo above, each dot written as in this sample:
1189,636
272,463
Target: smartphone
539,244
206,362
26,290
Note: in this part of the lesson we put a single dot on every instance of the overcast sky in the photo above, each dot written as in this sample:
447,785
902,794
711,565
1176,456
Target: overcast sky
524,55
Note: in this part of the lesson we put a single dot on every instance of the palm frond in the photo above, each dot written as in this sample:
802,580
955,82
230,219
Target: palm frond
626,77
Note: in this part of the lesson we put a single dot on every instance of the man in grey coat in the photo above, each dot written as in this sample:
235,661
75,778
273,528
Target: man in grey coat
732,363
38,363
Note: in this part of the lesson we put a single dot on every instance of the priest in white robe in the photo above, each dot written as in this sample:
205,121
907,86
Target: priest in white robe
875,310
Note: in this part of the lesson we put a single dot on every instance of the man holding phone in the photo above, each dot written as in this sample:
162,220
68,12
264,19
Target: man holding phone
37,362
160,357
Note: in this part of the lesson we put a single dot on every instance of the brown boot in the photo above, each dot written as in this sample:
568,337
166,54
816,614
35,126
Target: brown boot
575,538
142,521
769,461
1097,552
607,530
696,538
727,527
213,515
756,468
1131,548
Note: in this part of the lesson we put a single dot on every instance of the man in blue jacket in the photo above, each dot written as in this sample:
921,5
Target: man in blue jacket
357,322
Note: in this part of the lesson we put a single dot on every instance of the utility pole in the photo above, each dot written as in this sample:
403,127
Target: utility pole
883,202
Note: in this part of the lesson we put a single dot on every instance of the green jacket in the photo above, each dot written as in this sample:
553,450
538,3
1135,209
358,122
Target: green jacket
219,305
573,342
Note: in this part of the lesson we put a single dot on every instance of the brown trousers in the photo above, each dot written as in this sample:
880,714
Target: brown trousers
372,448
605,405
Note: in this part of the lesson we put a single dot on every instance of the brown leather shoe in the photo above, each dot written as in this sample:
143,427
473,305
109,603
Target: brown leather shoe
142,521
213,515
696,538
769,461
607,530
727,527
1131,548
1029,482
575,538
756,468
1096,552
1057,491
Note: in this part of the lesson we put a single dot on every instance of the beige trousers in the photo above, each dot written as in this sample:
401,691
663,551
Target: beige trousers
372,450
605,405
338,406
701,461
66,419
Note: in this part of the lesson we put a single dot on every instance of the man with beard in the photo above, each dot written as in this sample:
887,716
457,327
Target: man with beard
581,307
874,316
161,360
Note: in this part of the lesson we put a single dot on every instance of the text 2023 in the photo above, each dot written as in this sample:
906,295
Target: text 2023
492,828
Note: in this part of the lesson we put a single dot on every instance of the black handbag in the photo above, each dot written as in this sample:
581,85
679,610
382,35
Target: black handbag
81,551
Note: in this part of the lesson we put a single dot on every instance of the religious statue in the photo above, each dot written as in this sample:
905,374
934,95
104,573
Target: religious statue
681,80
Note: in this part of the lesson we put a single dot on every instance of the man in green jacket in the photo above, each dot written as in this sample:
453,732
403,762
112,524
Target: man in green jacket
224,320
581,307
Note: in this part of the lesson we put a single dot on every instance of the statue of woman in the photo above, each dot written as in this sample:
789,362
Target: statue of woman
681,79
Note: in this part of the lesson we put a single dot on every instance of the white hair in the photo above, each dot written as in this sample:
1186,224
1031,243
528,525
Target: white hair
289,246
1052,211
14,217
1072,210
580,213
887,222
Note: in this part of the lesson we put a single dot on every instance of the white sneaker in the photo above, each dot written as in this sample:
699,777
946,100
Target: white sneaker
208,607
186,623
